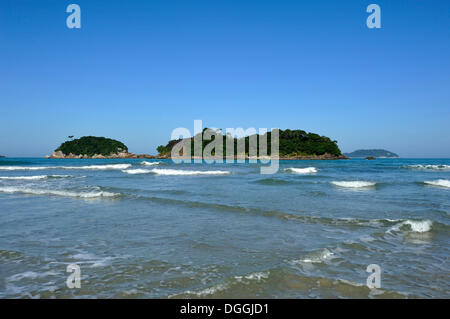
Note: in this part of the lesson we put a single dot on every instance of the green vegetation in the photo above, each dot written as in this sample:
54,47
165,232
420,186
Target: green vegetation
292,143
371,153
91,145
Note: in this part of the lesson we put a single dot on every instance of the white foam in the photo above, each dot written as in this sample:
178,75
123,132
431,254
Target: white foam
184,172
439,182
253,276
150,163
305,170
36,177
38,191
417,226
430,167
98,167
22,168
136,171
354,184
317,257
93,167
92,259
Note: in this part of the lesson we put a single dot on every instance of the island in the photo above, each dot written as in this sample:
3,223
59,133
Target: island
293,144
94,147
373,153
1,156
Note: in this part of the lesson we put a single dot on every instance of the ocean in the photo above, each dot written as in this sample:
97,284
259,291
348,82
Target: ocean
155,229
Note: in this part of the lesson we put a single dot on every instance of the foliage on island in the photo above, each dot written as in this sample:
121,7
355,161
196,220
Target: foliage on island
92,145
291,143
371,153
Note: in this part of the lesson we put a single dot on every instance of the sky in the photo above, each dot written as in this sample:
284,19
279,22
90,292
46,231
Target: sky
136,70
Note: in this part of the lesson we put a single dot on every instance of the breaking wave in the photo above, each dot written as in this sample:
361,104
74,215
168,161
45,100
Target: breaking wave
137,171
430,167
354,184
98,167
316,257
36,177
93,167
417,226
185,172
440,182
306,170
22,168
150,163
40,191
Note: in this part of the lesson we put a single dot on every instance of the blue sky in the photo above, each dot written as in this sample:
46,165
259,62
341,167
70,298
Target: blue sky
138,69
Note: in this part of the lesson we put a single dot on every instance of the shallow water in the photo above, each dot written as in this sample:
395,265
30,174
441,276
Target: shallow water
223,230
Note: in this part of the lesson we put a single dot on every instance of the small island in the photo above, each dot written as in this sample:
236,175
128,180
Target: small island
372,153
94,147
293,144
1,156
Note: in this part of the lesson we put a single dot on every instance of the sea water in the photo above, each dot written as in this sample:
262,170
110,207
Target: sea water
154,229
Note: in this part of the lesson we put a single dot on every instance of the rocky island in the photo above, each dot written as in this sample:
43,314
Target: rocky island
94,147
293,145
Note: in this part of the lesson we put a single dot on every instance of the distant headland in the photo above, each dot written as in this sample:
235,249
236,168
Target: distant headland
372,153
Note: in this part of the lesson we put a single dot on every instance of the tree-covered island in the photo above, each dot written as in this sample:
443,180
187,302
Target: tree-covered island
293,144
94,147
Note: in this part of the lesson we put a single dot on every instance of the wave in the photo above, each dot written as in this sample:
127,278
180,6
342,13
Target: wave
430,167
22,168
36,177
354,184
271,181
159,171
439,182
137,171
150,163
233,282
40,191
305,170
93,167
98,167
417,226
316,257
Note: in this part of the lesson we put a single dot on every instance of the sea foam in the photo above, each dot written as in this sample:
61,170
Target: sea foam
93,167
150,163
35,177
439,182
98,167
305,170
354,184
22,168
316,257
417,226
136,171
39,191
185,172
436,167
